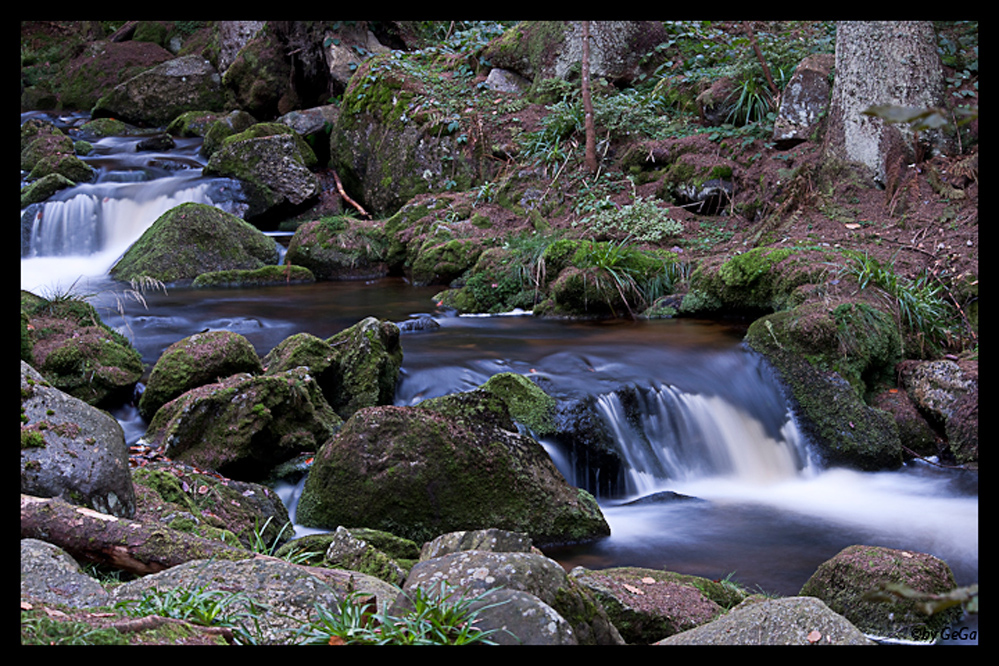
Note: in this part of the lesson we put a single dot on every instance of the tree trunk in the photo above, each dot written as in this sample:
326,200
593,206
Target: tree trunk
124,544
591,141
882,63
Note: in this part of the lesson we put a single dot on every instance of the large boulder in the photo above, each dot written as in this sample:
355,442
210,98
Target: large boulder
538,50
158,95
339,248
272,162
50,575
418,473
191,239
66,341
830,358
243,426
788,621
368,356
843,581
72,450
567,612
194,361
289,593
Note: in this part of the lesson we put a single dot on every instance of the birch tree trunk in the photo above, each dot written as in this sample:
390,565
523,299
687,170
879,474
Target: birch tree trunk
882,63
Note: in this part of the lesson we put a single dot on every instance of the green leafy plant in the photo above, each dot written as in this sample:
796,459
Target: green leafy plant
441,616
643,220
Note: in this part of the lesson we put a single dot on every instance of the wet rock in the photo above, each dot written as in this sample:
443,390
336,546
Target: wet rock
789,621
350,552
72,450
194,361
191,239
419,473
368,356
243,426
273,163
843,581
158,95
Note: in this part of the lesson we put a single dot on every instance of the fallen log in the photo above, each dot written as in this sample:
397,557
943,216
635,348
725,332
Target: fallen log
117,542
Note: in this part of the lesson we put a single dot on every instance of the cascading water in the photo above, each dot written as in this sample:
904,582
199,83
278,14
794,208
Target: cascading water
81,231
671,435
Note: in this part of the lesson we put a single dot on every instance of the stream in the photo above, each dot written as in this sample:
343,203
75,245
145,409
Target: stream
704,416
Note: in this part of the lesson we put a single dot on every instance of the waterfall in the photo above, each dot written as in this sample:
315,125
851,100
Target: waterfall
82,232
665,435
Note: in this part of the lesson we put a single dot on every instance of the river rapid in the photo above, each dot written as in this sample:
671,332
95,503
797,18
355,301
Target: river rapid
712,422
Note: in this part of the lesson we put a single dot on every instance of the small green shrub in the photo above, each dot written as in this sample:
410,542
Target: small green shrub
643,220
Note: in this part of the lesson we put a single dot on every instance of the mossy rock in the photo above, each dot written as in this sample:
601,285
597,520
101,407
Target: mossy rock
340,248
77,352
368,356
196,360
763,279
844,581
418,473
805,346
191,239
243,425
260,277
442,263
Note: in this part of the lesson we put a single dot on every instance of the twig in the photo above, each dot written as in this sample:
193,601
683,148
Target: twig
154,621
339,188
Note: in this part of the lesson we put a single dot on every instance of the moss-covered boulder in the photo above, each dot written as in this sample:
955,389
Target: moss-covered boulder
763,279
843,581
273,162
158,95
43,188
494,284
46,150
437,262
243,425
191,239
77,352
196,360
72,450
831,360
368,356
340,248
419,473
389,149
202,503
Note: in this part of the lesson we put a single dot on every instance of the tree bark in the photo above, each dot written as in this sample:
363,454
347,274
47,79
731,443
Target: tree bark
123,544
591,141
882,63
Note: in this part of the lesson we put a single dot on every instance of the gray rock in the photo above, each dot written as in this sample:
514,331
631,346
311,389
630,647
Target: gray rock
497,541
72,450
789,621
475,572
52,576
157,95
804,102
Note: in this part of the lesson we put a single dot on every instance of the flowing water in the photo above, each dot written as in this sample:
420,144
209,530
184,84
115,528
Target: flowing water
692,411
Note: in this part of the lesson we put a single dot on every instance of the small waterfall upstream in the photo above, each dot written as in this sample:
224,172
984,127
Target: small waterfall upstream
671,435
